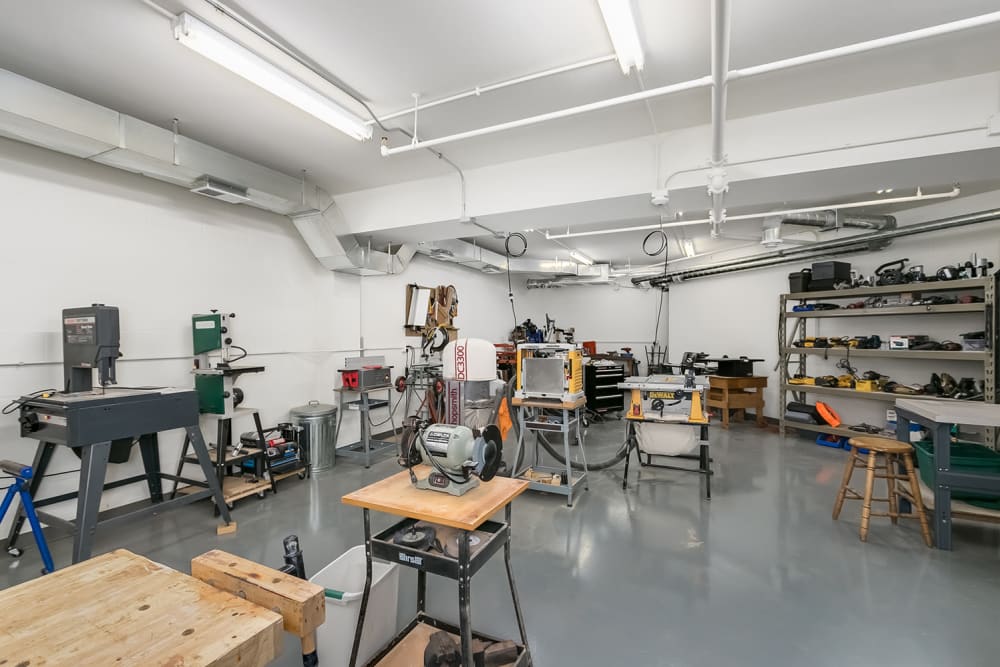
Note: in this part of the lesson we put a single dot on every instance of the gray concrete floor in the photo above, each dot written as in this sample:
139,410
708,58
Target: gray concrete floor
760,575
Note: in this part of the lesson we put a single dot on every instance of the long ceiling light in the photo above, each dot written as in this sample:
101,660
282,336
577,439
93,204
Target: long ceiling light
663,224
624,34
580,257
215,46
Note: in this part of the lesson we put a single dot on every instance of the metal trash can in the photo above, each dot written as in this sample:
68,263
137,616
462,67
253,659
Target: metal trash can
319,428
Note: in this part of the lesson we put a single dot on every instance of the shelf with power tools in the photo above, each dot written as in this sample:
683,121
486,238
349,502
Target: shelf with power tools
965,291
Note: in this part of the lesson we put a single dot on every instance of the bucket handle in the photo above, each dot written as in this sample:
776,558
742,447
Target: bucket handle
313,402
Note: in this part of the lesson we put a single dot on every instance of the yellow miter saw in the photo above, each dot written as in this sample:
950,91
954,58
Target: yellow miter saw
459,456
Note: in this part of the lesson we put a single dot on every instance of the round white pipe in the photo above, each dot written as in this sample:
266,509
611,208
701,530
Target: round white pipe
954,192
720,69
870,45
478,90
703,82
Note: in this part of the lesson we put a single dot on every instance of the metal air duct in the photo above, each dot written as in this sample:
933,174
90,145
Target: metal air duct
44,116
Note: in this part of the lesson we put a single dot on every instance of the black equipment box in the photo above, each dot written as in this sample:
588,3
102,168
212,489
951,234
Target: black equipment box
734,367
799,281
826,275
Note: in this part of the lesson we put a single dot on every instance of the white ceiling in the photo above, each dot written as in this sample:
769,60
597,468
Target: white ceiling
120,53
976,172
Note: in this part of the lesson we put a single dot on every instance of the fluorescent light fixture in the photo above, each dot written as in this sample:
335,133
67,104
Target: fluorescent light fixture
883,191
687,247
215,46
624,34
580,257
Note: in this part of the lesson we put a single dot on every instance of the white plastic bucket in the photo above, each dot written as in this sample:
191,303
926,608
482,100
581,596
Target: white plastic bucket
335,637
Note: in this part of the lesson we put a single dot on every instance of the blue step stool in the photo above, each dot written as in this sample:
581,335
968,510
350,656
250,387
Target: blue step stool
22,476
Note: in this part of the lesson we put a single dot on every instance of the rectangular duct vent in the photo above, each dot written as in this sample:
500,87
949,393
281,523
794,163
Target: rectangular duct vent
219,190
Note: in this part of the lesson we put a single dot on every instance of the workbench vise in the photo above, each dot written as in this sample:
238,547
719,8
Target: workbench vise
667,398
214,375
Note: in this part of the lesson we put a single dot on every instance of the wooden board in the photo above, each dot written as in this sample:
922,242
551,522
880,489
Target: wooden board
234,488
396,495
959,509
410,651
300,603
122,609
554,404
753,382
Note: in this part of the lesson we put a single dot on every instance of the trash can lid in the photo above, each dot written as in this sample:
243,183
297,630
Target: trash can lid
313,409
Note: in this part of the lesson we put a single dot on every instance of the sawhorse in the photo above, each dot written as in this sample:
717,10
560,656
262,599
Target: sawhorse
22,475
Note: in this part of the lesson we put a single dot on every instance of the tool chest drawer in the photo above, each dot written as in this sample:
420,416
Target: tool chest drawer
601,387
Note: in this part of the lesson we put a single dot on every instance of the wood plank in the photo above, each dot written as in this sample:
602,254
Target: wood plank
396,495
959,508
753,382
235,488
554,404
300,602
122,609
409,652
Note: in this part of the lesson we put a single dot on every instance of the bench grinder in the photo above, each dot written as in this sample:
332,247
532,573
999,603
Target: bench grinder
457,454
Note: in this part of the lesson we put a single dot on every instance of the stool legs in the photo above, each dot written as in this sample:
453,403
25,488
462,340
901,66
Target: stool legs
891,461
918,500
866,510
845,483
901,481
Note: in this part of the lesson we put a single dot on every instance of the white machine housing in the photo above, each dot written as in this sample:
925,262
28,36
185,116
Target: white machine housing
469,369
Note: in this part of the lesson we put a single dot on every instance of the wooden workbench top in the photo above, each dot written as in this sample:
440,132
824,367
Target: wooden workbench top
553,404
122,609
396,495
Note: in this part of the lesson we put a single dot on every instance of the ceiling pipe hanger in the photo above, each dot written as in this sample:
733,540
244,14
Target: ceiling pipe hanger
706,81
479,90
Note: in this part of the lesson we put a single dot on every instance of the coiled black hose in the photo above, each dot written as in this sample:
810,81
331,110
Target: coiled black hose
508,394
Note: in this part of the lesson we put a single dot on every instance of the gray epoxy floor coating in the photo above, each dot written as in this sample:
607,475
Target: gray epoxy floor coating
760,575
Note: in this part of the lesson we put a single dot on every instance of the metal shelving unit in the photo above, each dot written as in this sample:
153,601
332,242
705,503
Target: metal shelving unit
792,325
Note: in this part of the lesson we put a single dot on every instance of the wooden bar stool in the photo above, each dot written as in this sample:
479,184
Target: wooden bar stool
882,461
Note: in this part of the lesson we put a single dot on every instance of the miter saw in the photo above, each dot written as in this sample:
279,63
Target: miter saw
459,456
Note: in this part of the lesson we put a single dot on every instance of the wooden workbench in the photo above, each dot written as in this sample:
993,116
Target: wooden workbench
396,495
121,609
737,393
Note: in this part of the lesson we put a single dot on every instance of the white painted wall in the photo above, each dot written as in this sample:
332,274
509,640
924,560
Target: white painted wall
75,233
614,318
737,314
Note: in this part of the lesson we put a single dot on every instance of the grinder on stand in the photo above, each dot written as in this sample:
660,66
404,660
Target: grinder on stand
460,457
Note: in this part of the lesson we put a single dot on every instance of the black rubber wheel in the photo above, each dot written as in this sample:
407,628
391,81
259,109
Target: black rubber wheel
15,552
302,475
230,506
261,494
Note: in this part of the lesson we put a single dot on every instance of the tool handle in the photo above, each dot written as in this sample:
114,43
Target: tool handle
16,469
